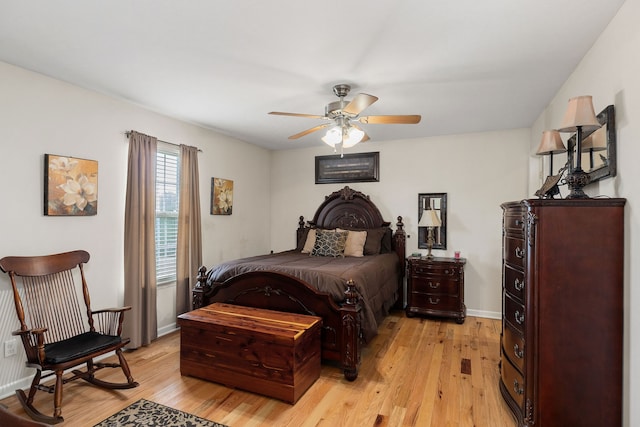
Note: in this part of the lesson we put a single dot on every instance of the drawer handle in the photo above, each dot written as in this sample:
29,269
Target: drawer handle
434,286
518,284
517,388
431,301
519,317
517,351
519,253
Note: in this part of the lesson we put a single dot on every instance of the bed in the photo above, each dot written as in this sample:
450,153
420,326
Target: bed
352,294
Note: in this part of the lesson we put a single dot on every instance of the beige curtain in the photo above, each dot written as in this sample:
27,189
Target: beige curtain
189,256
139,241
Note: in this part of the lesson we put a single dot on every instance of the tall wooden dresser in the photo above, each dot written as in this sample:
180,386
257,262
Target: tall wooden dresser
562,305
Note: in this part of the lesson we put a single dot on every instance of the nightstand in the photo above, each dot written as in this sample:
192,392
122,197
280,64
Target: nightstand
435,287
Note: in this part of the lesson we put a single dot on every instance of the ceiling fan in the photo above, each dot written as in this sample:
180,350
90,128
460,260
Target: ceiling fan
343,118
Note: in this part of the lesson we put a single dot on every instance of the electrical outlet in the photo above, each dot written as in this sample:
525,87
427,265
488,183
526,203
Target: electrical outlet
10,348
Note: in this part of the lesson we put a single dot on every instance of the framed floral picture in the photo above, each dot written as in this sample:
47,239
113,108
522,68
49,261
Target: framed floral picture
70,186
221,196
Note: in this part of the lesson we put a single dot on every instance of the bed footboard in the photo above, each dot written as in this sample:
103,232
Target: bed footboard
341,329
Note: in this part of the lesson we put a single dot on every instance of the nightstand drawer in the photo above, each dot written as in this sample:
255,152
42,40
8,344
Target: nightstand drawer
514,313
443,270
435,302
513,346
514,282
435,285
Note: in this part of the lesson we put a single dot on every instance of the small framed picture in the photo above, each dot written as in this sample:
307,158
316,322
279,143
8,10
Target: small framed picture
70,186
221,196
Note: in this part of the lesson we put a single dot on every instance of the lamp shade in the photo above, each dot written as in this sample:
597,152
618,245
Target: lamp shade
597,141
579,113
429,219
551,143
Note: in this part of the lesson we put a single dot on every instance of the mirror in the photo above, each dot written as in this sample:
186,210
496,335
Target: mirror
599,147
437,202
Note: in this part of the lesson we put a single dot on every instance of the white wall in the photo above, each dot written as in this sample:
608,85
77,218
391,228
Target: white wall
40,115
477,171
610,73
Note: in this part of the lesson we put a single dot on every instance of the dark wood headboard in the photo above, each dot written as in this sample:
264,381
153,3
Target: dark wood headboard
350,209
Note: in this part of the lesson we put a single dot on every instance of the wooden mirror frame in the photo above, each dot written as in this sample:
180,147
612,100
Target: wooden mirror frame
437,200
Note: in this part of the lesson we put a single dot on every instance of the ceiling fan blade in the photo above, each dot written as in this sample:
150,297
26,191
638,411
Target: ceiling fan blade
359,103
310,116
308,131
389,120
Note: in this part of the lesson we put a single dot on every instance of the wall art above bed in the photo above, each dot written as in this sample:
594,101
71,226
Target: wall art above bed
70,186
221,196
357,167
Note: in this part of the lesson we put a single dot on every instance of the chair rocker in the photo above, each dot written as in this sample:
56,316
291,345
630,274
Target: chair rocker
56,334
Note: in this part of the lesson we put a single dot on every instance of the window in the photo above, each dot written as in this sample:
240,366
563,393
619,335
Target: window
166,224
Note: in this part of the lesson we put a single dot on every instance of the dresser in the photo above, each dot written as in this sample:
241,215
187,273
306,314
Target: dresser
562,311
435,287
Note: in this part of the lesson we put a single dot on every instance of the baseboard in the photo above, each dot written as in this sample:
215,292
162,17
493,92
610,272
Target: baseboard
484,313
167,329
7,390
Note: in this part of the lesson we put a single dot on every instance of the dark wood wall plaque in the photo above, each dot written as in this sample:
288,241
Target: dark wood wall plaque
357,167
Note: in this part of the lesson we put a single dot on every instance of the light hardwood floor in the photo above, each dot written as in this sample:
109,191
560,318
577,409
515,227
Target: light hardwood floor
416,372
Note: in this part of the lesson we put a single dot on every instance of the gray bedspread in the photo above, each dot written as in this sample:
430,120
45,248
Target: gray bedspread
375,277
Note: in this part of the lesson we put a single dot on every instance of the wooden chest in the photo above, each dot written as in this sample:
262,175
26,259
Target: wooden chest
268,352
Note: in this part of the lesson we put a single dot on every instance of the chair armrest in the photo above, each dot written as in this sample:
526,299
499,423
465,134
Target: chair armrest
109,320
33,343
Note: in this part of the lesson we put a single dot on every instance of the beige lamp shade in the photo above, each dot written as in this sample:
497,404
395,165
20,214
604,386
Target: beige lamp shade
579,113
551,143
429,219
597,141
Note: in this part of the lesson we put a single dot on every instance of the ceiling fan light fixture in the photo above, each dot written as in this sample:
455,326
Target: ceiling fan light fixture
352,137
332,137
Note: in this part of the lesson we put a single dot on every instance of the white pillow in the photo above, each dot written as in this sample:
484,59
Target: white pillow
355,243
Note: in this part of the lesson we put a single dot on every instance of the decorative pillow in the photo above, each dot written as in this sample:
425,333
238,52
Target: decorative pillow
329,243
386,245
309,242
302,239
374,241
355,243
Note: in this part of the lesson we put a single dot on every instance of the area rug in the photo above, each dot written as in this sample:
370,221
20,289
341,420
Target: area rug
144,413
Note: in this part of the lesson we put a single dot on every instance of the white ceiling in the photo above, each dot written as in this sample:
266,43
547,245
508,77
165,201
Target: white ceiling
464,65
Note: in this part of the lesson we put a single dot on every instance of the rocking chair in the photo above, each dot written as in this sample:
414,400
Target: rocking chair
56,335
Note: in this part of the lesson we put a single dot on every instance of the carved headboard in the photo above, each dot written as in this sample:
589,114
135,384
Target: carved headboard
350,209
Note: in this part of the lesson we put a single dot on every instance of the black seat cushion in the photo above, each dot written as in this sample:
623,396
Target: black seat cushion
78,346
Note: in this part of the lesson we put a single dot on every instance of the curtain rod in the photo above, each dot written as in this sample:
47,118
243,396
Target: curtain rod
127,133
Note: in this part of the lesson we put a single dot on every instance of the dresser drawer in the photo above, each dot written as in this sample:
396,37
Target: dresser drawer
514,313
513,346
514,222
434,285
514,251
514,282
513,381
435,302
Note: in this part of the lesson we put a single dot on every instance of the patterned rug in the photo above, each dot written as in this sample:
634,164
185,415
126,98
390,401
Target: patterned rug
146,413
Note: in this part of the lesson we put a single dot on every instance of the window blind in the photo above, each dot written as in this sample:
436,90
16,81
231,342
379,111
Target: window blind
166,221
